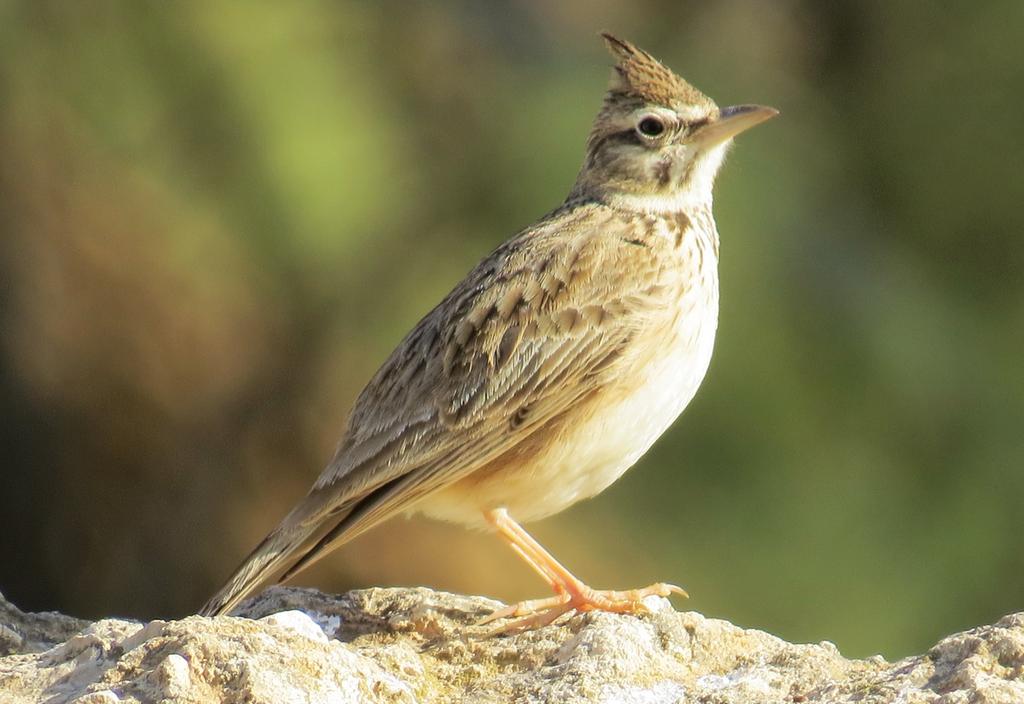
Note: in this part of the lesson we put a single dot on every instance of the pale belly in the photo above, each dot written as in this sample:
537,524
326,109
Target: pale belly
593,448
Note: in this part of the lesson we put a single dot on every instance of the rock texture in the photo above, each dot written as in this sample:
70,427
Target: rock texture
415,645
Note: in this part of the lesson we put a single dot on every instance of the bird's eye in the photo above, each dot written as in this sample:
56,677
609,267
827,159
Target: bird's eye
651,126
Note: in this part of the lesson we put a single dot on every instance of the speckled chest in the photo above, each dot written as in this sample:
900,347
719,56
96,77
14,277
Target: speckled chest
664,378
587,450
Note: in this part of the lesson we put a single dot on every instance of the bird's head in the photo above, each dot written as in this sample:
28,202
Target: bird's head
658,142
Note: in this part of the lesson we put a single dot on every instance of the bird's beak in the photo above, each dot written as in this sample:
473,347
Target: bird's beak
731,121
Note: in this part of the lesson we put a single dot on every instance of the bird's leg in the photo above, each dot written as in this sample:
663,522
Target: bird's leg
570,593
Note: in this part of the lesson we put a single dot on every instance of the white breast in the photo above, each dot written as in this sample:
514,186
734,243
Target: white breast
614,439
588,457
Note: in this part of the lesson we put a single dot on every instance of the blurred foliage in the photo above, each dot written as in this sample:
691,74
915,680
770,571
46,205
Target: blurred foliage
216,220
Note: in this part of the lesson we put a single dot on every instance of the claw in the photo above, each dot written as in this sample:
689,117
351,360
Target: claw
537,620
538,613
525,608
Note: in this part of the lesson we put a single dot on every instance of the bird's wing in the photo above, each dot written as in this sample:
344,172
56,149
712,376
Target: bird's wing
542,323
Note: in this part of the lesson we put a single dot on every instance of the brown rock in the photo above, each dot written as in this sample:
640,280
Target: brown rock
416,645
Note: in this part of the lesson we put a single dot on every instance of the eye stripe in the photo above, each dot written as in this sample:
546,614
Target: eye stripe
626,136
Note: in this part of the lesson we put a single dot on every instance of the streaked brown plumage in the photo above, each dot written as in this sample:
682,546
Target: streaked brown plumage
555,364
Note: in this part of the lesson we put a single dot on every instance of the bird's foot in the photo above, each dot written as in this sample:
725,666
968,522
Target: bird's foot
576,597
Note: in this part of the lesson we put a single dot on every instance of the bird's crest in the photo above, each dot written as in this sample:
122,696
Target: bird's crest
637,74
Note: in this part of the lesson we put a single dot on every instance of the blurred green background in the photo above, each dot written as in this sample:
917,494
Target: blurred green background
217,219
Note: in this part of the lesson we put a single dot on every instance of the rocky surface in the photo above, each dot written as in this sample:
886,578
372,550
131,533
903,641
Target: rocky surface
416,645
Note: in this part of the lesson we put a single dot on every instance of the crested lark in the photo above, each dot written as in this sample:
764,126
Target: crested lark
554,365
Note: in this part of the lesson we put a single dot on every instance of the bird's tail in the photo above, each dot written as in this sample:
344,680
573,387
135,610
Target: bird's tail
276,555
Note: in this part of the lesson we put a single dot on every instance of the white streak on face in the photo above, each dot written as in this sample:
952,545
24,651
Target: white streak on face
709,161
696,193
692,113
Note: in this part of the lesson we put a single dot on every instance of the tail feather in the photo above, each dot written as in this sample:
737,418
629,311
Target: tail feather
273,558
258,568
313,529
348,526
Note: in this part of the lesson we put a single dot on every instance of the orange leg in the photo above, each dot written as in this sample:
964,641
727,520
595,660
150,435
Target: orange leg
570,593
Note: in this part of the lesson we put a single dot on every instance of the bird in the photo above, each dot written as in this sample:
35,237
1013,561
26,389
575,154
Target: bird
553,366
